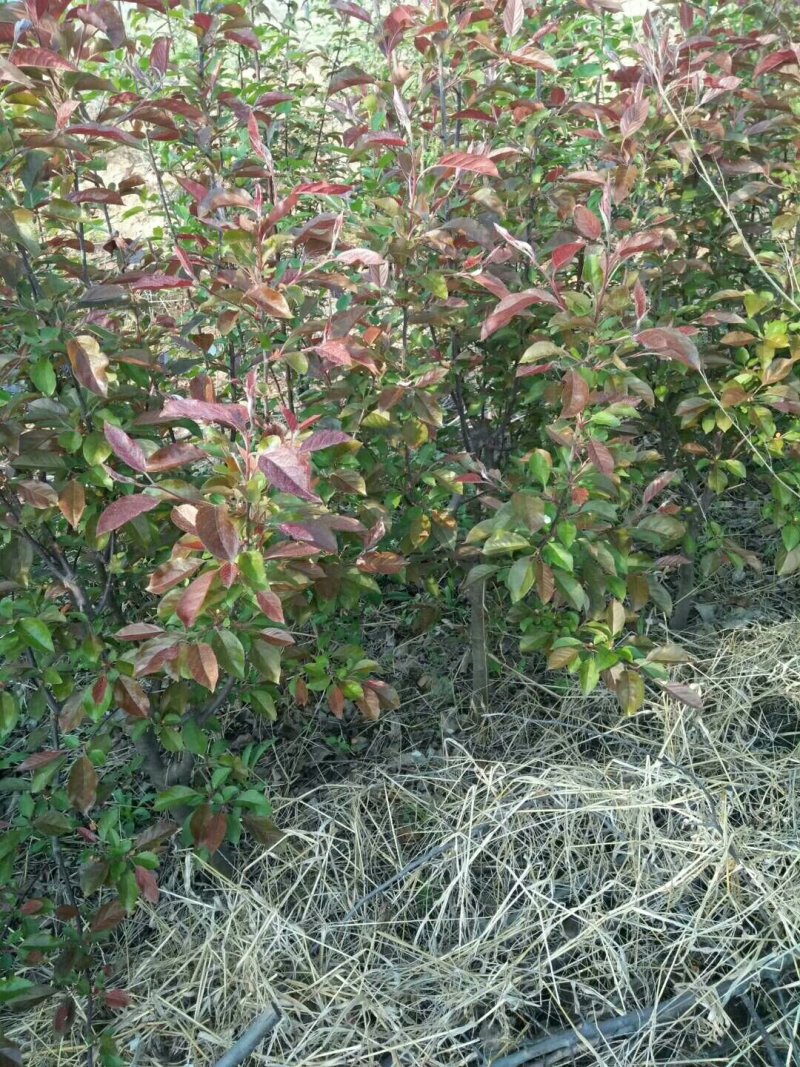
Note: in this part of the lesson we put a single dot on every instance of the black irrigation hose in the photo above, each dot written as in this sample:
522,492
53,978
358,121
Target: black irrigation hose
251,1038
568,1042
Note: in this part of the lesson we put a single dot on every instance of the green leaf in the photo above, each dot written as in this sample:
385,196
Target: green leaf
9,713
53,824
264,703
176,796
589,675
558,556
128,891
194,739
43,376
251,798
230,652
251,565
504,541
571,590
36,634
520,578
267,660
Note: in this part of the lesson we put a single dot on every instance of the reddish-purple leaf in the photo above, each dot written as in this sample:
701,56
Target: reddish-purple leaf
289,471
686,694
42,58
170,574
106,133
658,485
96,196
469,161
125,510
273,302
381,563
768,63
634,243
324,439
82,785
152,656
107,917
125,448
180,454
565,253
216,530
513,305
233,415
270,604
130,696
152,283
191,603
116,999
345,7
208,828
574,394
41,759
513,14
62,1020
587,223
203,666
89,364
245,37
37,494
148,884
633,118
316,533
671,344
601,457
159,55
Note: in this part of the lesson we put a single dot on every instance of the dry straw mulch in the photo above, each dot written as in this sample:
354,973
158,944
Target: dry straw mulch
581,870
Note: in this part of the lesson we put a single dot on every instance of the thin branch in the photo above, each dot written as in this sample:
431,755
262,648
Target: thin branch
251,1038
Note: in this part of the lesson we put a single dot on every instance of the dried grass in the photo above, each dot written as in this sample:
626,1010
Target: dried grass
591,868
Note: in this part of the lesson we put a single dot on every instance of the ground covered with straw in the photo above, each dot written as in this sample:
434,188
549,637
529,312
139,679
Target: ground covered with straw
551,885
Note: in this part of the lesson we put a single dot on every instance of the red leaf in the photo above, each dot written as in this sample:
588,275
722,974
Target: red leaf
217,531
768,63
601,457
180,454
233,415
159,55
125,448
130,696
587,223
89,364
106,133
513,15
209,828
316,533
170,574
279,638
639,242
574,394
107,917
336,701
203,665
545,581
381,563
41,759
633,118
469,161
513,305
245,37
345,7
63,1018
96,196
289,471
686,694
82,785
43,58
564,254
147,883
73,503
116,999
152,283
669,343
152,656
658,484
125,510
273,302
191,603
324,439
270,604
